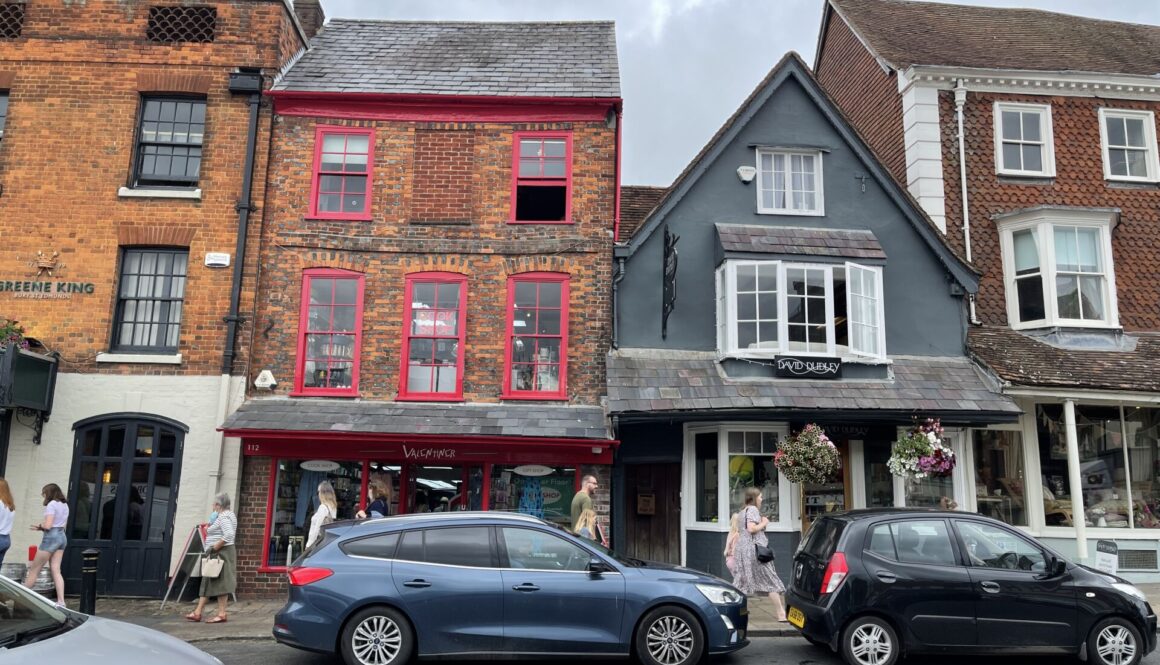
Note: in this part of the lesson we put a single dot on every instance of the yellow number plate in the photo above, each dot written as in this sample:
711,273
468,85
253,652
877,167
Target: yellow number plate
796,617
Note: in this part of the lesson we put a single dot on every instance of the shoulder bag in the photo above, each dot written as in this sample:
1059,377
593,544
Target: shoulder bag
764,553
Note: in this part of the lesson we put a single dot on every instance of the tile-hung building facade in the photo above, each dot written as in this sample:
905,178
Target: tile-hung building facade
784,279
127,145
435,266
1050,121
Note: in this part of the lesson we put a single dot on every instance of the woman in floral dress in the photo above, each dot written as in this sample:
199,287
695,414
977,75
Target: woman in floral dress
750,576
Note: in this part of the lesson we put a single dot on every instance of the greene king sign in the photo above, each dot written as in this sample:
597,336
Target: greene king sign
46,290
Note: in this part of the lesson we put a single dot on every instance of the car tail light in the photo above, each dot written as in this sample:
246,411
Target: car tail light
304,576
835,573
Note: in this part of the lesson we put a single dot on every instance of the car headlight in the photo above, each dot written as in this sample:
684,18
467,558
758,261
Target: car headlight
1130,590
720,595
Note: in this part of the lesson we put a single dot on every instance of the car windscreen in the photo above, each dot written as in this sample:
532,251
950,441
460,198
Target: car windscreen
23,616
822,538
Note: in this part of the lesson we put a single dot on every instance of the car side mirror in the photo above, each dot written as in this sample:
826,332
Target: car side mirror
597,567
1058,567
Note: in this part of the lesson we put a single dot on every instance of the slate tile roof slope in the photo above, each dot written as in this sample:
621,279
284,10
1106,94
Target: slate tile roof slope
561,59
317,415
926,33
636,202
750,238
1025,361
650,380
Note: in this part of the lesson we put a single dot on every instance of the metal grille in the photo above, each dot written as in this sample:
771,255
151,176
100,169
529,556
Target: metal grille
1138,559
181,24
11,20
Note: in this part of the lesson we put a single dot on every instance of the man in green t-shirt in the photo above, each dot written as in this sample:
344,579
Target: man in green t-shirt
583,499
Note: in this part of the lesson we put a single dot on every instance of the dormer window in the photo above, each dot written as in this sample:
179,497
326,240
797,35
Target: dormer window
789,182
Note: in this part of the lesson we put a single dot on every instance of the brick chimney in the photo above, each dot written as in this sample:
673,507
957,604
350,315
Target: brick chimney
310,15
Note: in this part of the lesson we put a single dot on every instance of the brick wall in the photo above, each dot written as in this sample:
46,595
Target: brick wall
867,95
76,79
444,161
1079,181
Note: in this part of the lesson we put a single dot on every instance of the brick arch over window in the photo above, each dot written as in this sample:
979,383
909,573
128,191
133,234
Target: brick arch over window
536,339
329,333
155,236
434,336
168,82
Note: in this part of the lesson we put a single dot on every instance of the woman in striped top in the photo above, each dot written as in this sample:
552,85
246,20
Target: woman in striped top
219,542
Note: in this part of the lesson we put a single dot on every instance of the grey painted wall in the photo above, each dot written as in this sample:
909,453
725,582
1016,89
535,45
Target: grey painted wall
922,318
703,551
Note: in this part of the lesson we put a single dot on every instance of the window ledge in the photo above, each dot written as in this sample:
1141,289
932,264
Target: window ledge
1125,183
146,193
1027,178
337,218
535,398
140,358
429,398
791,213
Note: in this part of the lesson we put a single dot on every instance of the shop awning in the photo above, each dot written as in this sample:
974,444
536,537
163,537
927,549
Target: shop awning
644,384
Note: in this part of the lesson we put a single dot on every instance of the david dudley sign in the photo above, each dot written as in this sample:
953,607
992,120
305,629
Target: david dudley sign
807,367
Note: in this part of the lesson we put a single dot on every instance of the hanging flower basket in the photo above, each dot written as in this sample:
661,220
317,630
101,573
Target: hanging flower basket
808,457
921,453
11,332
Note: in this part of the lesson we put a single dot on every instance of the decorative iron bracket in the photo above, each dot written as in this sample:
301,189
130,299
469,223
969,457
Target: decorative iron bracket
37,425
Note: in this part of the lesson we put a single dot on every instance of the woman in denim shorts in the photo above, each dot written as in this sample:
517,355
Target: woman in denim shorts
53,543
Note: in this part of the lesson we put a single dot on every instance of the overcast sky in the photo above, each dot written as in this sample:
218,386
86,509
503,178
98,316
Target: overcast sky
686,65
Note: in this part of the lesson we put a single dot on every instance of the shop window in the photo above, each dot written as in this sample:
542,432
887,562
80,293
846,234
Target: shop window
150,296
295,498
169,142
999,481
705,476
771,307
342,173
436,489
435,313
542,178
935,492
1142,426
330,333
548,496
751,465
537,348
879,481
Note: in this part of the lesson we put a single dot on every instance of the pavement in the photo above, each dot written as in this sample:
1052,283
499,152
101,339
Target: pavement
253,618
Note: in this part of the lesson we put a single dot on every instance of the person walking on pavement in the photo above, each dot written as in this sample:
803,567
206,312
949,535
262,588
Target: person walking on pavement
583,501
7,517
750,576
731,543
380,506
326,512
219,540
52,544
589,527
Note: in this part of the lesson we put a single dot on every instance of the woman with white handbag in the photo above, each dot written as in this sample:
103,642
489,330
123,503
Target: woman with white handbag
219,574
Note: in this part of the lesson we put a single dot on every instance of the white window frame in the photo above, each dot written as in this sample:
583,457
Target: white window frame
1045,132
726,280
1152,160
786,490
1044,224
819,197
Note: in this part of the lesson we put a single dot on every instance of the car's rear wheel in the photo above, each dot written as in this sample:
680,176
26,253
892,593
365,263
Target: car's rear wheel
669,635
1115,641
870,641
377,636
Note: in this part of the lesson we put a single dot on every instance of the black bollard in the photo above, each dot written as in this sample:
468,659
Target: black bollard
89,564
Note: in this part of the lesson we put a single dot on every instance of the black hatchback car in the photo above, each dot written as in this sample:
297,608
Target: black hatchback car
876,585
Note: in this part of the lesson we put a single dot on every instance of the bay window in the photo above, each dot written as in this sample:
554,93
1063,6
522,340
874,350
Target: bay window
1058,270
769,307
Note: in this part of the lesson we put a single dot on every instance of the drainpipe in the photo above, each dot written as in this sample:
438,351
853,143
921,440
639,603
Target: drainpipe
960,102
1075,478
616,280
616,213
244,81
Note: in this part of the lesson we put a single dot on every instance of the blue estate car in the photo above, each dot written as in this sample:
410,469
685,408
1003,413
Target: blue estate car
479,585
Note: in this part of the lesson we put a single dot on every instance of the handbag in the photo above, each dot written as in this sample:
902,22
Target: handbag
211,566
764,553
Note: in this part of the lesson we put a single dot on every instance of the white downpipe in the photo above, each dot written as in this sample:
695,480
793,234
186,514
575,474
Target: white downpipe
1075,478
215,474
960,102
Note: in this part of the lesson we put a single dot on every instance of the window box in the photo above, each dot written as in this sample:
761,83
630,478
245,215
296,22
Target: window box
169,143
1128,142
536,353
1024,142
329,333
343,168
434,320
149,301
789,182
542,178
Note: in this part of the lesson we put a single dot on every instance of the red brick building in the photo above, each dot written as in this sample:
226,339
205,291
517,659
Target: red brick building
436,258
1050,121
124,167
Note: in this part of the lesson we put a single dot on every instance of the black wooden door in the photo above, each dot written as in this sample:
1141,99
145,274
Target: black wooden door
653,513
122,497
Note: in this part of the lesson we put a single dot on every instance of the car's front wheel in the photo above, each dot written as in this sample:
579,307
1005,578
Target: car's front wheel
669,635
870,641
377,636
1115,641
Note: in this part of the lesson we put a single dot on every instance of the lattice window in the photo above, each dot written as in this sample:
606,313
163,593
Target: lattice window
11,19
181,24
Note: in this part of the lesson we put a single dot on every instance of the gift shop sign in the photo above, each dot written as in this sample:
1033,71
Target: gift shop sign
46,289
807,367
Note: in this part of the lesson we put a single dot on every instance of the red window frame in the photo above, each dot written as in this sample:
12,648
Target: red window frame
541,180
437,278
561,393
320,135
308,276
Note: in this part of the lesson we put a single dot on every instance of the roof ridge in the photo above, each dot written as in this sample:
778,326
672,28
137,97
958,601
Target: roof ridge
1011,10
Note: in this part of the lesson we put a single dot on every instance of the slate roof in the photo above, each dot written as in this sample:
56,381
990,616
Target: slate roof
750,238
902,33
1025,361
636,202
659,381
328,415
561,59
